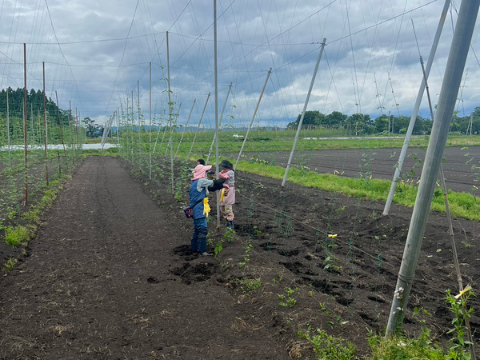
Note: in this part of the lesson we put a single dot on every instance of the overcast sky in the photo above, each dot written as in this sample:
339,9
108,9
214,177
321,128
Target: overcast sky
98,53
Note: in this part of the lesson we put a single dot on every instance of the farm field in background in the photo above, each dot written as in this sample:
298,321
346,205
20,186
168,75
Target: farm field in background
461,166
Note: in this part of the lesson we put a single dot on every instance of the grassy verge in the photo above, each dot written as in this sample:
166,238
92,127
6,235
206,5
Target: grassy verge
21,228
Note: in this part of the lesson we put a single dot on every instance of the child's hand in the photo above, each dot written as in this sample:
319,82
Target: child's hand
223,174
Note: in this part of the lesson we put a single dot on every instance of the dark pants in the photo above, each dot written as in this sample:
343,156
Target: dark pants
199,237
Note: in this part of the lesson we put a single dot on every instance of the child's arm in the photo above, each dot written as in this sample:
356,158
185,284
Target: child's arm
217,185
203,183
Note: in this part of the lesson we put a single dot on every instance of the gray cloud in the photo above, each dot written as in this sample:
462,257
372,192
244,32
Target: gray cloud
98,52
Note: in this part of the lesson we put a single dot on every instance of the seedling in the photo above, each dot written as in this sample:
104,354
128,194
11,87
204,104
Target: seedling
459,307
280,279
16,236
9,265
218,248
417,312
229,235
328,347
246,256
288,300
328,263
467,245
248,285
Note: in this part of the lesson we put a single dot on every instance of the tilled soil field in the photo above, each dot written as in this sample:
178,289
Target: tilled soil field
110,274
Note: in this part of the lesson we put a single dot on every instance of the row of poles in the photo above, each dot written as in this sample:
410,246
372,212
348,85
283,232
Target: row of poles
45,134
432,164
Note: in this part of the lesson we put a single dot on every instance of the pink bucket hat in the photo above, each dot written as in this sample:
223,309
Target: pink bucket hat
200,171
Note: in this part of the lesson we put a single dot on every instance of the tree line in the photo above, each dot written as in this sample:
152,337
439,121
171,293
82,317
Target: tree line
34,101
13,111
362,124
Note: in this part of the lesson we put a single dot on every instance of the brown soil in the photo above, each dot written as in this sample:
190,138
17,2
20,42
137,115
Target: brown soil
110,274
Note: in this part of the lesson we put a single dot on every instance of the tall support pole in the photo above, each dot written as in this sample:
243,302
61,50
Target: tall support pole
445,194
219,123
8,133
25,139
198,127
170,121
133,127
70,120
171,164
60,123
215,62
446,105
411,125
139,128
121,123
185,128
127,132
300,122
45,125
77,123
251,122
150,124
168,81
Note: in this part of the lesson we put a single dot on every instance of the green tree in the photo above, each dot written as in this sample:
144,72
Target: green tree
312,118
335,119
358,124
382,124
91,129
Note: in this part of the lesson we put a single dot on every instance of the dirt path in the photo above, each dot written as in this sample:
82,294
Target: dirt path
99,284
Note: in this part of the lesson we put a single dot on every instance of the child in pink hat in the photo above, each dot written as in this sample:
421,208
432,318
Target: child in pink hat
200,172
198,192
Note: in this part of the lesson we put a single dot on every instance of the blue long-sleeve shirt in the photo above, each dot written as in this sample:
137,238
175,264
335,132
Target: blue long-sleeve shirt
198,191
